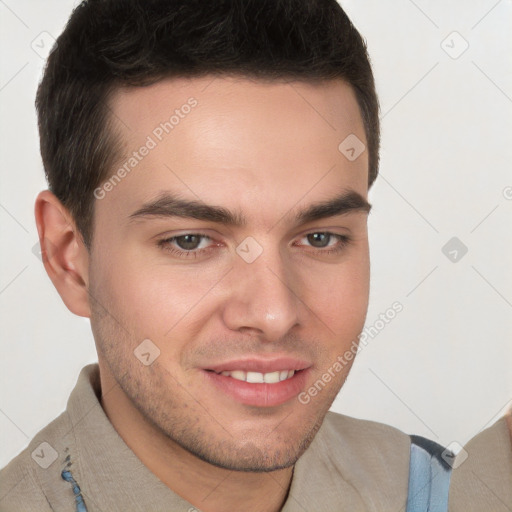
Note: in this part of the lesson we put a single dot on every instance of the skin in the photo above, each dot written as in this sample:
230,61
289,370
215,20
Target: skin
265,151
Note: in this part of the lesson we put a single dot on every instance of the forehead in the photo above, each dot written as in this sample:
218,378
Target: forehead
333,100
236,141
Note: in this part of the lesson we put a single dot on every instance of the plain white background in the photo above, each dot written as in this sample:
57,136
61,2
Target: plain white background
442,367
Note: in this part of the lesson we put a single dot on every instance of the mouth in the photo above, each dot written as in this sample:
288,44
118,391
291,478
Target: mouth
257,382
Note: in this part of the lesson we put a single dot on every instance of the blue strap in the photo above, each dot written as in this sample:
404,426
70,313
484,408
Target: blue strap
429,476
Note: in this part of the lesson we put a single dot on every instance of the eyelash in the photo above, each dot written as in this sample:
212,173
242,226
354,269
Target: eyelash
165,245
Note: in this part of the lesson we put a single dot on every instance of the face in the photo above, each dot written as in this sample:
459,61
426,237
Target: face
236,245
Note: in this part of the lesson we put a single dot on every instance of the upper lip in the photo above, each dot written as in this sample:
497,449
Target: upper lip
260,365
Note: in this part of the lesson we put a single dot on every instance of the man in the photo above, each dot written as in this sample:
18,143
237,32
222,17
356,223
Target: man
209,166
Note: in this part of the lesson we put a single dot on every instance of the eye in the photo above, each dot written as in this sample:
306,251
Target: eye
325,241
186,245
319,239
188,242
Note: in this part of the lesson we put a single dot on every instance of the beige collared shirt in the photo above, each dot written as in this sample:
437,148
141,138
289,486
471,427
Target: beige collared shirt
483,481
352,465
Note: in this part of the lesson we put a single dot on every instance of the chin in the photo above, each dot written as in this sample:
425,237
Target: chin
252,459
257,455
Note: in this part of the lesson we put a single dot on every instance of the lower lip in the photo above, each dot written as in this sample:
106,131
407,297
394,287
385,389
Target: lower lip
260,394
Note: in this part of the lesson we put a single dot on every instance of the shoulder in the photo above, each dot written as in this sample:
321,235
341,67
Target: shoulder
364,438
493,440
29,481
482,475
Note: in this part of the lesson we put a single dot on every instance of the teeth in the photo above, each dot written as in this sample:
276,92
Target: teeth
254,377
239,375
271,378
260,378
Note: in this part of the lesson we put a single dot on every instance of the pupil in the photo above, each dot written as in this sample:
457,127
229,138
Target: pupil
319,239
188,241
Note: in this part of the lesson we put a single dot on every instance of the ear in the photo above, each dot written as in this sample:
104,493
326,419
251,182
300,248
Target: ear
65,257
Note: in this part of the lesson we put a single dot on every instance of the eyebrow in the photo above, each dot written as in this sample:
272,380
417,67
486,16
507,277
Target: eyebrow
169,205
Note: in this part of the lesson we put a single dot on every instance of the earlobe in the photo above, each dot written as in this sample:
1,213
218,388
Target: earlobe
65,257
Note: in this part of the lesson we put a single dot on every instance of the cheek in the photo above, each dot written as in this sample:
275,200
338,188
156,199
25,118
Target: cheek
339,296
156,300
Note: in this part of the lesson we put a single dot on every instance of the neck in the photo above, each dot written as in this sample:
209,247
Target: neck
207,487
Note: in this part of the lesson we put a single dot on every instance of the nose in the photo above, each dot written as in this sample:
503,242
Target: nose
261,299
